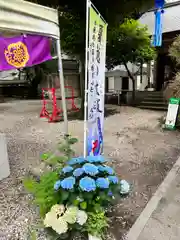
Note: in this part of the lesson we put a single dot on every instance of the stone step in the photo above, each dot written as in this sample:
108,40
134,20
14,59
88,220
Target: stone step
154,95
158,103
154,99
157,108
154,92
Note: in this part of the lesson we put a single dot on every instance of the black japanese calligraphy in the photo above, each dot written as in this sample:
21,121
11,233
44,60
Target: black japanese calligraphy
97,90
98,107
100,33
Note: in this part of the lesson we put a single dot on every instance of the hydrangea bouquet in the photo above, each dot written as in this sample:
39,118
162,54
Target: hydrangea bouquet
61,219
87,183
74,199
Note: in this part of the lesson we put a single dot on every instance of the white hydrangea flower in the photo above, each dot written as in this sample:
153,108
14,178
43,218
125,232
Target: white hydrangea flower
49,218
81,217
58,209
70,214
60,226
52,220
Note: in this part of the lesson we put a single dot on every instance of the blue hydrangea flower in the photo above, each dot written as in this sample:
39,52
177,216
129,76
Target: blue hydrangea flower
109,170
101,168
78,160
102,183
78,172
87,184
90,169
68,183
96,159
113,179
91,159
57,185
67,169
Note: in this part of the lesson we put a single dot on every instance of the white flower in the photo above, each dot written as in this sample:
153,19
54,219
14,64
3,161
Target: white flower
58,209
81,217
70,215
57,223
49,218
60,226
125,187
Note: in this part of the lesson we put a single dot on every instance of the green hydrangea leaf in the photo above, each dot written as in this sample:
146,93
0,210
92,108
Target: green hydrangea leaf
83,205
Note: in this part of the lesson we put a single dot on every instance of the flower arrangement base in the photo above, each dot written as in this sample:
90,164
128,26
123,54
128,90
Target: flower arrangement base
90,237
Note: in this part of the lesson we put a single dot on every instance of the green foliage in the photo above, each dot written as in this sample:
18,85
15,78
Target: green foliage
97,223
65,148
174,50
173,88
129,42
43,191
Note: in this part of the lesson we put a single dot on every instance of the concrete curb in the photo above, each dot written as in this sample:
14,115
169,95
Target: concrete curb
140,223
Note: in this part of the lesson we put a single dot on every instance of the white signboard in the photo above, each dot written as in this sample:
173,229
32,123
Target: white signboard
96,83
172,113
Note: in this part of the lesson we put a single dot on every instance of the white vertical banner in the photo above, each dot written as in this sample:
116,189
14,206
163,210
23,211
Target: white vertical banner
95,87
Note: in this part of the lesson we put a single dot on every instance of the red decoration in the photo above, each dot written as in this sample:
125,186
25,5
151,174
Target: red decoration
95,145
56,111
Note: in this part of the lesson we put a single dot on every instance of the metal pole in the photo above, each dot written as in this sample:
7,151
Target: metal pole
86,78
119,97
61,78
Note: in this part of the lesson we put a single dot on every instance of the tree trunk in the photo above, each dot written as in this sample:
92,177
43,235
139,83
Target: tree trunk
133,83
82,85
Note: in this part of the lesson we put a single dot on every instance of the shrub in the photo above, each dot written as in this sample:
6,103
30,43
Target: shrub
174,50
97,223
43,188
173,88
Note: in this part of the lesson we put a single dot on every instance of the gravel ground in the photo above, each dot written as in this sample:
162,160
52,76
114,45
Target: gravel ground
140,152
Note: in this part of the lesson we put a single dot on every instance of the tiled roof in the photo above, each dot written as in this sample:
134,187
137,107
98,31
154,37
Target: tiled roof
171,18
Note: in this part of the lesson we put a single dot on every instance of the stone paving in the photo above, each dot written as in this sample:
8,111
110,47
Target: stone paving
160,220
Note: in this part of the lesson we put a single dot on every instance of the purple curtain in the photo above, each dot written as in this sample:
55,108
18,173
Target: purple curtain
23,51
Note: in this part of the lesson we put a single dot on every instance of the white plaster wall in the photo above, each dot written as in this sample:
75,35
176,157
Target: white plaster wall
117,83
110,84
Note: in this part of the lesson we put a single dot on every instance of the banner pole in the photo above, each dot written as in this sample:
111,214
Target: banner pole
86,78
61,78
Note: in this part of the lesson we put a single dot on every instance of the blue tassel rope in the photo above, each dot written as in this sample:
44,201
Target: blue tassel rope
159,4
158,28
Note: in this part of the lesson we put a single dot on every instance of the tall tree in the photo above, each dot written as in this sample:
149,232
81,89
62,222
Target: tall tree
72,16
129,42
